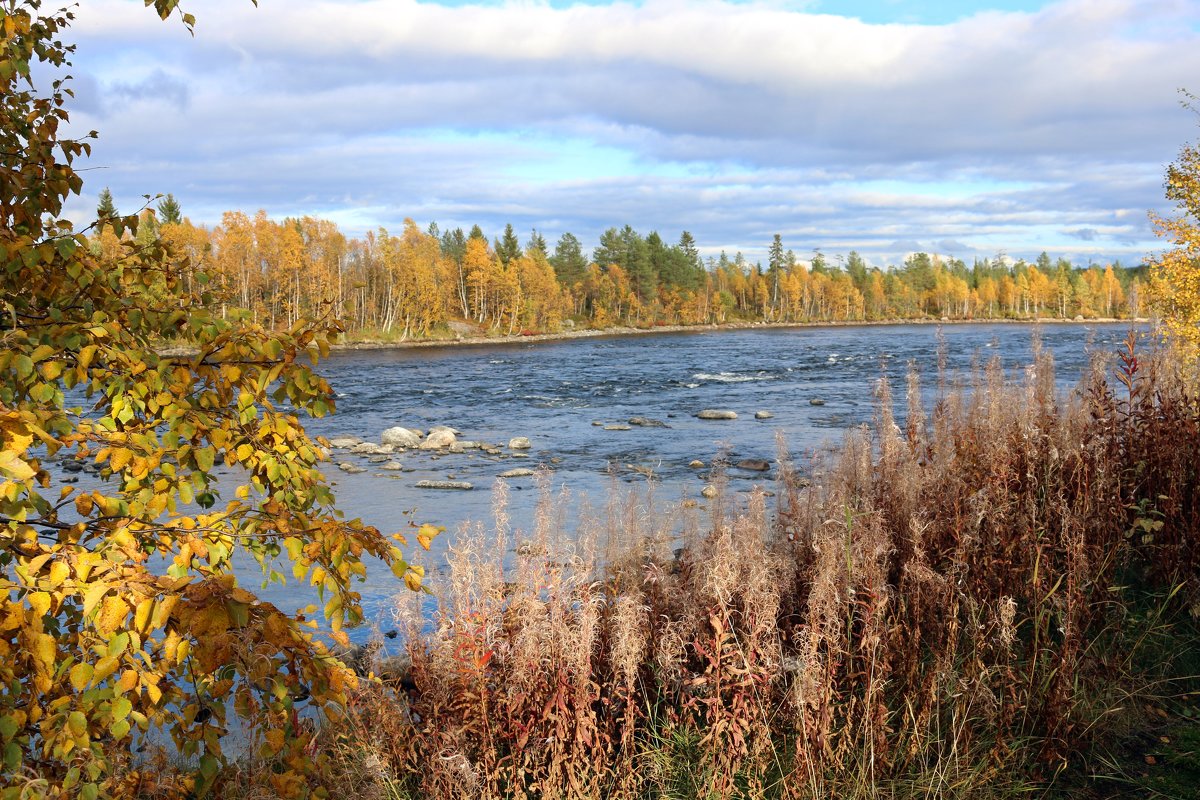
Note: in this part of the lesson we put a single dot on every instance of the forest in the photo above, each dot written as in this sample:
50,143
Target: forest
410,285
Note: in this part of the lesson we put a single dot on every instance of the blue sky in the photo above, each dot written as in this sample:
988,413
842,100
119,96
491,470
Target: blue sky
885,126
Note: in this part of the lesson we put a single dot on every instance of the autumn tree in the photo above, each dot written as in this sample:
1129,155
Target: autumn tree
119,610
1175,274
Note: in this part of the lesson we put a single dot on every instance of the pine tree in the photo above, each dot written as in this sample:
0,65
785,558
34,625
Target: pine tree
169,211
106,209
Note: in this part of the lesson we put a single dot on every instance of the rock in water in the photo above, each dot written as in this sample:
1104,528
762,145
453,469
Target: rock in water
709,492
438,439
763,415
461,485
816,401
643,422
520,472
717,413
617,427
346,466
344,442
519,443
400,437
753,464
696,464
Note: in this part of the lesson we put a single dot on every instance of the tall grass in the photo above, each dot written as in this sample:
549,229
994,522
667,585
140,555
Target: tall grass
950,608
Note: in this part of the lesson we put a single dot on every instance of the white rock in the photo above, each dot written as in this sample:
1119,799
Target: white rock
520,472
519,443
400,437
717,413
438,438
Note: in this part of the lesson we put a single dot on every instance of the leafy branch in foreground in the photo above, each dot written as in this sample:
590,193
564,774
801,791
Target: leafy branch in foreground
119,610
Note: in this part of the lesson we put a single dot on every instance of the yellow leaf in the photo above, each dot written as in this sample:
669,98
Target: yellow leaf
59,572
40,603
81,676
84,505
119,459
12,465
77,723
128,681
105,667
93,596
142,614
44,651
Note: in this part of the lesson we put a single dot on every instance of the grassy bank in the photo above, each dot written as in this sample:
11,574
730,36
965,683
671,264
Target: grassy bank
997,599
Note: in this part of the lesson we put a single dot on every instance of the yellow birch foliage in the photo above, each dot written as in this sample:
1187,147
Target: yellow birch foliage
1175,274
119,612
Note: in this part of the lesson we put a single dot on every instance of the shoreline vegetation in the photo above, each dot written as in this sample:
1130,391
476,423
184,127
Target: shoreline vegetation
625,330
484,340
998,598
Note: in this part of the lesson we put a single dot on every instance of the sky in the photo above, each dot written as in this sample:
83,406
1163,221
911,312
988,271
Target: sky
969,128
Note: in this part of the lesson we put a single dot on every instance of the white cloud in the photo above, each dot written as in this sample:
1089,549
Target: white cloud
778,120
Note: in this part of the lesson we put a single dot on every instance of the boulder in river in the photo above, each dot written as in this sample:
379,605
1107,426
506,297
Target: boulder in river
617,427
696,464
754,464
763,415
438,439
519,472
461,485
709,491
643,422
717,413
816,401
400,437
344,442
519,443
353,469
392,466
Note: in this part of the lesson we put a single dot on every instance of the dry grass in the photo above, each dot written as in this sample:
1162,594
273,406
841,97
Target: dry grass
947,611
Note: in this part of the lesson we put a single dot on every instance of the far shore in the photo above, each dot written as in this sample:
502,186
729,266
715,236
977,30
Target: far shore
625,330
621,331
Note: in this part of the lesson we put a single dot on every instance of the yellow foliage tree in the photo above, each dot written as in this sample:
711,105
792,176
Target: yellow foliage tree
119,610
1175,275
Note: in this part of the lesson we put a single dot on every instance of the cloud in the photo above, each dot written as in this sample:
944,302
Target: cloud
732,120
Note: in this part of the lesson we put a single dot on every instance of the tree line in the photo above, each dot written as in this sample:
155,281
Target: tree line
415,282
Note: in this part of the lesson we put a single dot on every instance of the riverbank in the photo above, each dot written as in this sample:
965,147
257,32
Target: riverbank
624,331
